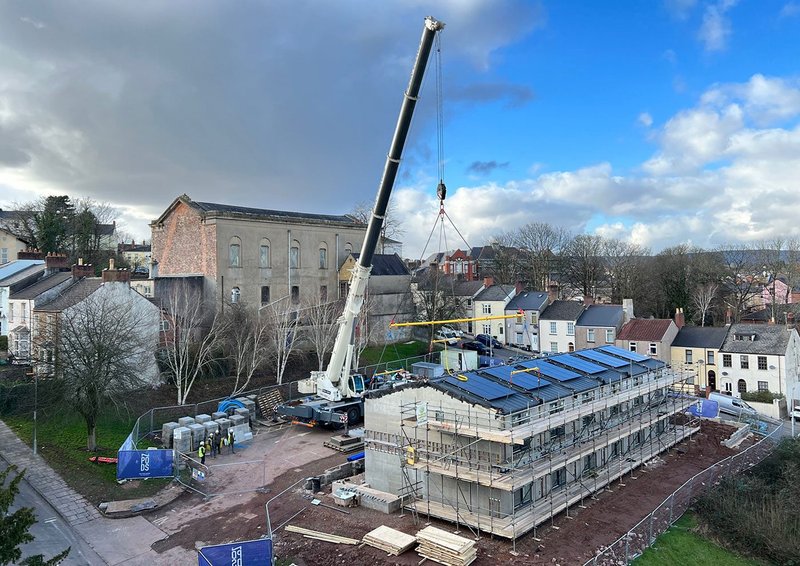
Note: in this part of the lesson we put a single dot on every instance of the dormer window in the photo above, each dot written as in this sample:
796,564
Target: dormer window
745,336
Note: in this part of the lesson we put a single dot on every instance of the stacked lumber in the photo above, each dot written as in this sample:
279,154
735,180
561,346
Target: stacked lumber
318,535
390,540
445,548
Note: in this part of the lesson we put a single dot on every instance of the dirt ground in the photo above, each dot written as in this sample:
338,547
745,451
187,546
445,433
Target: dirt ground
291,453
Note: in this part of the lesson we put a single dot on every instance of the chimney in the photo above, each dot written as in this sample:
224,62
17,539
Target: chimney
519,288
29,254
79,270
588,300
771,321
680,320
113,275
790,321
728,316
54,263
627,310
153,268
552,292
488,281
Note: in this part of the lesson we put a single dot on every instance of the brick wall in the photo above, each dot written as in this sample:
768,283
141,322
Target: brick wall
183,244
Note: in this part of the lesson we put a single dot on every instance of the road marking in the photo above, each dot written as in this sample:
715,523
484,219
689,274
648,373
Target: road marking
50,520
304,433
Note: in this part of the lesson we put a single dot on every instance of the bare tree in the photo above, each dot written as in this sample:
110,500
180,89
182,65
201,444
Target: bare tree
582,263
190,339
281,325
703,297
505,264
392,224
740,270
540,244
625,273
246,339
104,342
435,299
318,318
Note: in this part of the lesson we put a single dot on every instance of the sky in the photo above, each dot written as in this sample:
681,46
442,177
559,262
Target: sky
659,122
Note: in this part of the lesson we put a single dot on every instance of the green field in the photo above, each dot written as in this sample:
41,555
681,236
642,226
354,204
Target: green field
681,546
392,352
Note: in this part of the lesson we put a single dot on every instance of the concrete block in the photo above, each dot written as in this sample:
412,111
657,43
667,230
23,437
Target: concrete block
248,403
198,435
166,433
243,412
237,420
182,439
202,419
185,421
217,415
212,427
224,425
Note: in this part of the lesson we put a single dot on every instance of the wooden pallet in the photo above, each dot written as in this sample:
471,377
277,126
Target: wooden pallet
318,535
390,540
268,402
445,548
345,449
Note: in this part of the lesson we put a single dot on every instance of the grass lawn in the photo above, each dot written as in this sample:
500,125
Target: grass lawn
680,546
62,443
377,354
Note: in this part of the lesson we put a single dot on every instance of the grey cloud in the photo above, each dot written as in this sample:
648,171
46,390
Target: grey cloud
514,95
485,167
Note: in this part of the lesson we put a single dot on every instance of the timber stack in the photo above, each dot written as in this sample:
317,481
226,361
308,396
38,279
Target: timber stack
445,548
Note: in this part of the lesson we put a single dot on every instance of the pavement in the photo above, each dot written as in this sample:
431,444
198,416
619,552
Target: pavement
110,541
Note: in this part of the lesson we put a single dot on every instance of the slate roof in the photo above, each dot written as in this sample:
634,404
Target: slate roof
33,291
601,316
711,337
562,310
645,329
769,339
18,266
495,293
386,264
106,229
763,316
209,207
72,295
528,301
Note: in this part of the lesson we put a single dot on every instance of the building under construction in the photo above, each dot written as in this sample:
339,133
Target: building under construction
504,449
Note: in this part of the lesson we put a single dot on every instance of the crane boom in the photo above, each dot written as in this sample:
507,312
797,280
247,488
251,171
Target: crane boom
333,384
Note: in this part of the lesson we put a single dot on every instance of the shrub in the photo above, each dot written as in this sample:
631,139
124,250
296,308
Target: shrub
761,396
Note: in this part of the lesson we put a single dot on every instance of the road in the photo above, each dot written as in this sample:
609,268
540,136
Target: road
52,534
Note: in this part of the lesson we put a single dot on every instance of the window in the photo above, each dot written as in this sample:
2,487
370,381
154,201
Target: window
533,318
323,293
632,346
728,387
348,248
726,361
520,339
653,348
235,295
500,331
763,386
487,308
554,347
762,362
295,294
264,295
553,328
559,477
609,335
741,386
744,362
323,257
523,495
590,462
263,254
486,329
710,358
557,432
557,407
688,356
294,254
570,347
590,335
163,325
3,255
234,253
570,329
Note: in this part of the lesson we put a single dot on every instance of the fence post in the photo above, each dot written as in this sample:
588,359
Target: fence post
627,547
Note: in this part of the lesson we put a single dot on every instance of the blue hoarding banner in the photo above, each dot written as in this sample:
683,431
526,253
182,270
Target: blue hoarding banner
247,553
705,408
136,464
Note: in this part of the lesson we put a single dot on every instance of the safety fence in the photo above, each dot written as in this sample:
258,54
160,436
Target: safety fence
644,533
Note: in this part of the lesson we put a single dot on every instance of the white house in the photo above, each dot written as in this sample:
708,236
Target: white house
491,302
523,332
15,276
557,326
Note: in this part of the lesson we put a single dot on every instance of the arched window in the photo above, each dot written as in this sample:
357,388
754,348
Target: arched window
264,259
235,294
741,386
235,252
348,248
571,347
323,256
294,254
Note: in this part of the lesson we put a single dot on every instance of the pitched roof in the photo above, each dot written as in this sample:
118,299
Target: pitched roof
18,266
528,301
601,316
562,310
646,329
701,337
764,315
495,293
386,264
768,339
71,295
42,285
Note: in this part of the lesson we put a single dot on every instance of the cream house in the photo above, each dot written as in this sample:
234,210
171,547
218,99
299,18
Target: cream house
696,349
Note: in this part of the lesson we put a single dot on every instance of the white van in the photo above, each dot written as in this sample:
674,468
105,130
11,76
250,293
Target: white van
732,405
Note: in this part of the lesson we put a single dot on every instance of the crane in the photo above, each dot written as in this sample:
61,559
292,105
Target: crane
337,394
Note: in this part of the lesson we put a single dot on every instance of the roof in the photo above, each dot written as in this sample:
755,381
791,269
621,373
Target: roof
601,315
22,278
528,301
386,264
562,310
495,293
42,285
763,316
17,266
701,337
645,329
106,229
71,295
768,339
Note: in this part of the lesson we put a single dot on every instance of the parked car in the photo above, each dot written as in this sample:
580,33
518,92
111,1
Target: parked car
488,341
732,405
452,331
448,334
482,349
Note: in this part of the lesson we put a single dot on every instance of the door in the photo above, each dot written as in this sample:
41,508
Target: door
712,380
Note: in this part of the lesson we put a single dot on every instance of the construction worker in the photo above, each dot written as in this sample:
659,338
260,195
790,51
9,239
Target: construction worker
220,438
231,439
201,453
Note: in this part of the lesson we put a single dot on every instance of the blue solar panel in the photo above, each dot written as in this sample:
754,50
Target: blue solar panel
556,372
633,356
480,386
602,358
526,380
577,363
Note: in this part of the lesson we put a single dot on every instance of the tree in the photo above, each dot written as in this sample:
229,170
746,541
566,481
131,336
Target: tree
104,342
740,271
702,297
624,267
435,299
15,527
318,325
246,339
540,244
190,339
392,223
582,263
281,324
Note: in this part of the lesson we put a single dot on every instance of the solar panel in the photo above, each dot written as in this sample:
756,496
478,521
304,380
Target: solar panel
480,386
602,358
633,356
526,380
577,363
556,372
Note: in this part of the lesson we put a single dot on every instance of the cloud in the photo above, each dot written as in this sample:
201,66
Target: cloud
645,119
486,167
716,28
790,10
679,9
513,95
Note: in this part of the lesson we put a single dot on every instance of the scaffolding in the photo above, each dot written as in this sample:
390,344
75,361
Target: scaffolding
506,474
